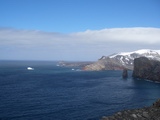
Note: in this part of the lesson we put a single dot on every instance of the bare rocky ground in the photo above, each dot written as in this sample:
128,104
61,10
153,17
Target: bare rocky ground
146,113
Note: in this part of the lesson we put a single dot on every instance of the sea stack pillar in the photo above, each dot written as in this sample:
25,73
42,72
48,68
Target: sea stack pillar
125,73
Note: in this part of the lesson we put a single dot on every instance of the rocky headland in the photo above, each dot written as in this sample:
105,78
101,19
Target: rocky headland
121,61
146,113
73,64
145,68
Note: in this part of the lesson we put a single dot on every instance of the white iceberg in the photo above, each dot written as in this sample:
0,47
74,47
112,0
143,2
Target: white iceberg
30,68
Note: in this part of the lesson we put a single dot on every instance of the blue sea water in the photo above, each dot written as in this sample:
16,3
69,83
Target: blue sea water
51,92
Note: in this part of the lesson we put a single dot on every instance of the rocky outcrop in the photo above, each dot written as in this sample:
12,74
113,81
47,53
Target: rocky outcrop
146,69
120,61
146,113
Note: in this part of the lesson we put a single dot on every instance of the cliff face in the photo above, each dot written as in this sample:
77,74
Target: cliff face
146,69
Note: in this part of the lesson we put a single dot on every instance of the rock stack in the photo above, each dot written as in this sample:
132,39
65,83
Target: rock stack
125,73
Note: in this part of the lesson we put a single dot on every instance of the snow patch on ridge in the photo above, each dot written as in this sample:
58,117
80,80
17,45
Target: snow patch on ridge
143,51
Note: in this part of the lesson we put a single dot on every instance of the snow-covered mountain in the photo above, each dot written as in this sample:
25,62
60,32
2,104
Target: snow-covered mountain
127,58
122,60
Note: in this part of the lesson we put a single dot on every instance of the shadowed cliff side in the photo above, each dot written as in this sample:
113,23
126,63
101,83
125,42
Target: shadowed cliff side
146,69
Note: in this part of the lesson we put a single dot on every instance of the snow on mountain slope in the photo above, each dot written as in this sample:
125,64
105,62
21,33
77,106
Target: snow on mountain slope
158,51
141,52
126,58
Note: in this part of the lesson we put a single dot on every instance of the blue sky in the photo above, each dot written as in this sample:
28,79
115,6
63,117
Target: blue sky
78,15
67,28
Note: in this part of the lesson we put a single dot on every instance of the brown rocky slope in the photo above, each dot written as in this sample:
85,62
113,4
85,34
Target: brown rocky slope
104,63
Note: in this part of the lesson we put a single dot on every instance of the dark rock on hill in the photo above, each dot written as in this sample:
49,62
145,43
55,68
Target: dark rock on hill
146,69
146,113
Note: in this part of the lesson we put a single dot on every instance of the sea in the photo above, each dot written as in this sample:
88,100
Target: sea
52,92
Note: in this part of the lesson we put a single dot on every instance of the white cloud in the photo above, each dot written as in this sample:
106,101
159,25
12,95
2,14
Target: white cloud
28,37
34,37
135,35
81,45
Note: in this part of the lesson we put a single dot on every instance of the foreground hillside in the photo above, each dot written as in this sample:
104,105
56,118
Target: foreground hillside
146,113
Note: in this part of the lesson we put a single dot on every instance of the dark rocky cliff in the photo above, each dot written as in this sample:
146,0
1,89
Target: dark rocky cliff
146,69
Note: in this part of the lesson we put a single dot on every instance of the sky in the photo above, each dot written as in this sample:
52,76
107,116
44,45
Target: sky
77,30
